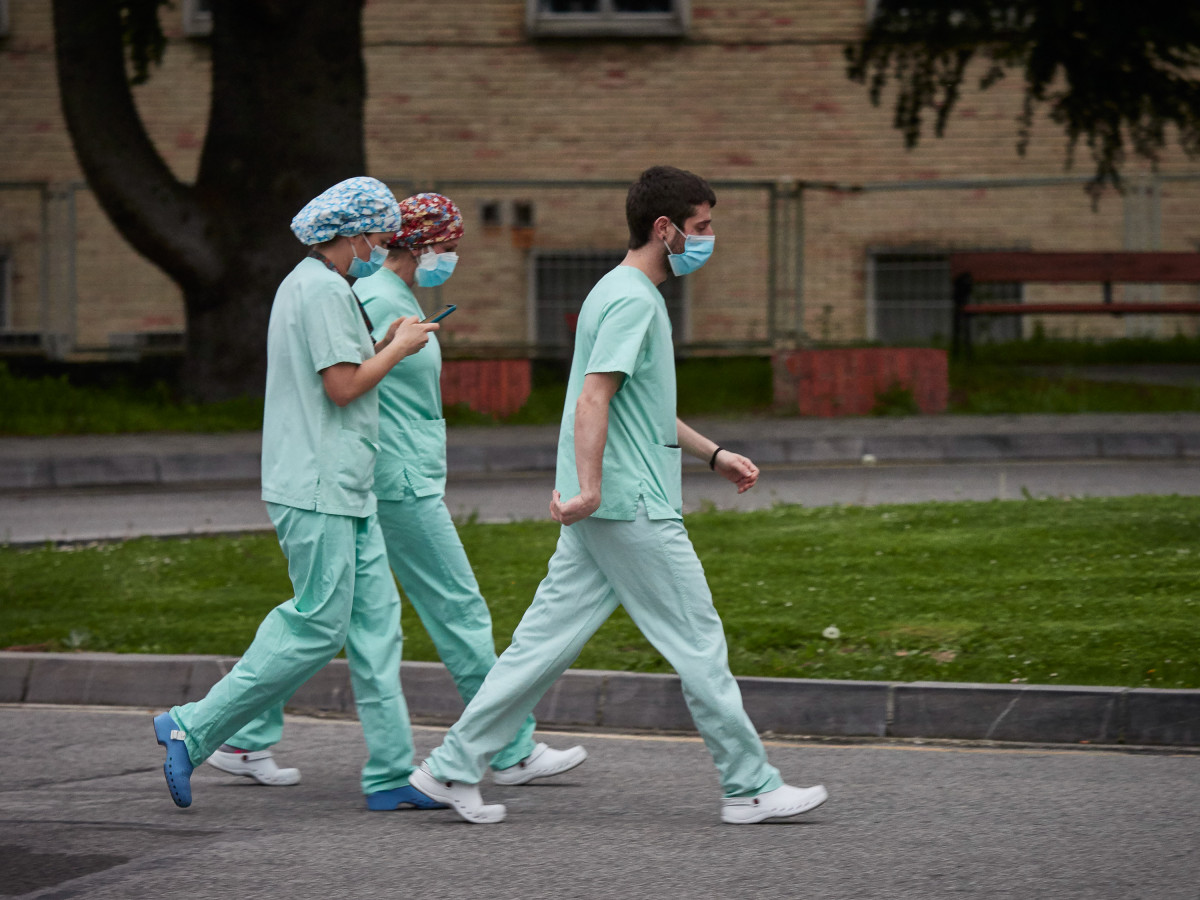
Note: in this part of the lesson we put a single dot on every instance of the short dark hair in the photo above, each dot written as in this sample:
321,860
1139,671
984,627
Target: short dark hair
663,191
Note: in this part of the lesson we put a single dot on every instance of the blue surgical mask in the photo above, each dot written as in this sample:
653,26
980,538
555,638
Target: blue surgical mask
362,268
697,248
435,268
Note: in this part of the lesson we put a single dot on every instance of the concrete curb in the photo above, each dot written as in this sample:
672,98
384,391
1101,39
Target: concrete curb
128,470
589,698
113,460
40,472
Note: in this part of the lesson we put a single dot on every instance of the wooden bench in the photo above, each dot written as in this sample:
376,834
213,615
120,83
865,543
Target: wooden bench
968,269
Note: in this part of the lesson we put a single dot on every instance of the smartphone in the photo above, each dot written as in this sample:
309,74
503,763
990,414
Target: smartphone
450,307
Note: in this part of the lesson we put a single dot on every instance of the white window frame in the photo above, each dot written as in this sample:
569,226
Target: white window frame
607,22
197,22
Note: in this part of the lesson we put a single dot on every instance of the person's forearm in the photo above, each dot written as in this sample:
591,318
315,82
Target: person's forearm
591,434
693,442
370,372
346,382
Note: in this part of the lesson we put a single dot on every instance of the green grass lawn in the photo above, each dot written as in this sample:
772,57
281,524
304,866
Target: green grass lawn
1039,349
46,405
1103,591
708,386
998,390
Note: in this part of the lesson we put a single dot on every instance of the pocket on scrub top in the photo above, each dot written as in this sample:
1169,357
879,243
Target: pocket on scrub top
355,471
428,438
667,466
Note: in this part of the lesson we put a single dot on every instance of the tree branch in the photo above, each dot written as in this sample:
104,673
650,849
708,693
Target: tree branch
1112,75
150,207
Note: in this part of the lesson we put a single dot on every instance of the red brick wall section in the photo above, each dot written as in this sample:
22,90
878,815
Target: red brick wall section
846,382
498,387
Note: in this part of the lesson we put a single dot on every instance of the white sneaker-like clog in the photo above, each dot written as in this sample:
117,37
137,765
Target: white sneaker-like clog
259,765
541,763
464,799
777,804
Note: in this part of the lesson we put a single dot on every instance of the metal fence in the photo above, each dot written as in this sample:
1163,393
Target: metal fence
534,248
797,262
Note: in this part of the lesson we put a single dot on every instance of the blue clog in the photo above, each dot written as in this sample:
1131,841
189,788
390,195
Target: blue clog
178,766
400,797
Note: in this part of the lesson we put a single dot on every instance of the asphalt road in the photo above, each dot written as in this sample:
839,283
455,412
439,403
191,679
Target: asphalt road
84,813
97,513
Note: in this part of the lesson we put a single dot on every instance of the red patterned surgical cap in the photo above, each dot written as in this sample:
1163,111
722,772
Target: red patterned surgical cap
427,219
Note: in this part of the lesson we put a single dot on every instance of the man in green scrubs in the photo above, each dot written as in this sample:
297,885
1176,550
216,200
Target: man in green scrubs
320,437
623,540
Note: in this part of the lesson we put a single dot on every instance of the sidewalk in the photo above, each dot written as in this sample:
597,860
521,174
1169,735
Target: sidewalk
32,463
1036,713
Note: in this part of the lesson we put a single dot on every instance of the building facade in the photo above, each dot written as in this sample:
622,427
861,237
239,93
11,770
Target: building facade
534,115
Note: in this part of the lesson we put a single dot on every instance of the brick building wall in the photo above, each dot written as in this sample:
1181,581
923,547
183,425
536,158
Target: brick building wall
755,94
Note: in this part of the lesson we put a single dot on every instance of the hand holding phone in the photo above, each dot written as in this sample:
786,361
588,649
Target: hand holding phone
450,307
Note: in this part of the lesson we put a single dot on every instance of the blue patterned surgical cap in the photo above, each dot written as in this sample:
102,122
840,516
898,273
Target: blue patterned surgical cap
354,206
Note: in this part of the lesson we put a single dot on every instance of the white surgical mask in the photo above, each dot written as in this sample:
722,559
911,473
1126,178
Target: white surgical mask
697,248
362,268
435,268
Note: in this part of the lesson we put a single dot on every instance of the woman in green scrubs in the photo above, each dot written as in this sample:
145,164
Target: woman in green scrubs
410,480
423,546
320,437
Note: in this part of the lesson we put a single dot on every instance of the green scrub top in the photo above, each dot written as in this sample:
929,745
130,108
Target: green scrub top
623,327
317,455
412,432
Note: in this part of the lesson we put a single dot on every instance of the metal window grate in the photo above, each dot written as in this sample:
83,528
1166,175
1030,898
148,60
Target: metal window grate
561,282
913,301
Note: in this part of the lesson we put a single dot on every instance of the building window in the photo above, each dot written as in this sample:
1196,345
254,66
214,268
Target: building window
606,18
491,213
517,213
561,281
197,18
522,214
912,301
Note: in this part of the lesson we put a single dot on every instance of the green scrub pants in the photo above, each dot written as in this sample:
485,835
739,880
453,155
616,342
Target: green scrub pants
428,558
650,568
345,596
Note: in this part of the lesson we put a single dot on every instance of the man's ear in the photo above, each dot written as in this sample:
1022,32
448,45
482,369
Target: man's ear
662,228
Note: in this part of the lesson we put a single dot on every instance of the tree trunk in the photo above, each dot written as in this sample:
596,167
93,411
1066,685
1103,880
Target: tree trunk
286,122
226,339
